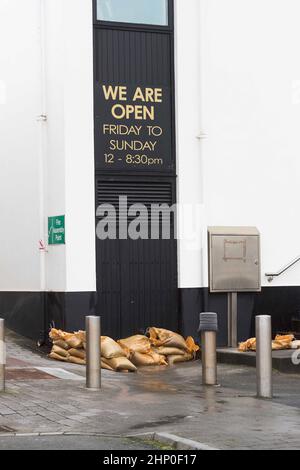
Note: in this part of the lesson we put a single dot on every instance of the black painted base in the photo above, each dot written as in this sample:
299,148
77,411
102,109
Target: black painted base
23,312
32,313
282,303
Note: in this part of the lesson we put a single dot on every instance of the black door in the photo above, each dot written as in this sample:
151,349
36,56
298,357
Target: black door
135,156
137,279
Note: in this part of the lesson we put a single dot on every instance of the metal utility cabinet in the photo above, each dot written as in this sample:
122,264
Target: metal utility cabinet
234,266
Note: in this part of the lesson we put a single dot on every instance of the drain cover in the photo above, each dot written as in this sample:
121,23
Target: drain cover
5,429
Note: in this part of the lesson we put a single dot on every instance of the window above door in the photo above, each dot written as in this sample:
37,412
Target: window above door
147,12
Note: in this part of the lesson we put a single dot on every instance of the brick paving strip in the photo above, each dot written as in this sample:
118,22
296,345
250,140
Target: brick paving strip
155,401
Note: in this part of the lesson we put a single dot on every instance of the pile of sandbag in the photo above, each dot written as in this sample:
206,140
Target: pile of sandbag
160,348
113,357
68,347
280,342
172,345
71,347
138,349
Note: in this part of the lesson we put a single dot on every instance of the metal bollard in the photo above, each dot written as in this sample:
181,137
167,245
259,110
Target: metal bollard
2,356
93,353
208,328
264,356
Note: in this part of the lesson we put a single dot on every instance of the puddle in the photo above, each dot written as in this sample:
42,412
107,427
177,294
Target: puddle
157,386
165,420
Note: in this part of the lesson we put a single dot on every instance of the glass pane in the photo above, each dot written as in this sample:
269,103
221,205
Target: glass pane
134,11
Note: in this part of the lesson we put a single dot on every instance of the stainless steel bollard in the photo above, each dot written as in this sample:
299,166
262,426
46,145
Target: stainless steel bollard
264,356
232,319
208,328
2,356
93,353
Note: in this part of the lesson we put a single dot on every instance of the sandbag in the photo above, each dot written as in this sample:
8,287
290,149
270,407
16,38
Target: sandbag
285,341
73,341
277,346
176,341
76,360
62,344
165,351
107,363
104,360
57,357
191,345
56,335
106,366
162,337
110,349
151,359
295,345
249,345
80,353
121,364
60,351
81,335
280,342
180,358
137,343
285,338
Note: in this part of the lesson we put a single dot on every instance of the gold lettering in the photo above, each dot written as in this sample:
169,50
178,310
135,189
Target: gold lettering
133,145
121,129
137,112
150,113
118,111
158,95
114,93
138,95
151,95
129,110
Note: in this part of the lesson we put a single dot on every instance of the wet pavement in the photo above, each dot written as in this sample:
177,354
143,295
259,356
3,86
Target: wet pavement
156,399
70,443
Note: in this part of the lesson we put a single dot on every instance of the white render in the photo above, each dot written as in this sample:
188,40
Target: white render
238,146
19,145
244,94
47,168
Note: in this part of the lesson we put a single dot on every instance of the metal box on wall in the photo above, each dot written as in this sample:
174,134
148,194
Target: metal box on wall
234,259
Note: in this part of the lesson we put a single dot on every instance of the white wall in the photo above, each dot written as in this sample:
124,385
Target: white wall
247,102
19,145
80,171
189,161
55,81
67,154
238,81
70,154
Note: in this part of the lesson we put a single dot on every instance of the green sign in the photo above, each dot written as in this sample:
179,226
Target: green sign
56,230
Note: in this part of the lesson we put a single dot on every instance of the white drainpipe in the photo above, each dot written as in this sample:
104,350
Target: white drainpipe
42,141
